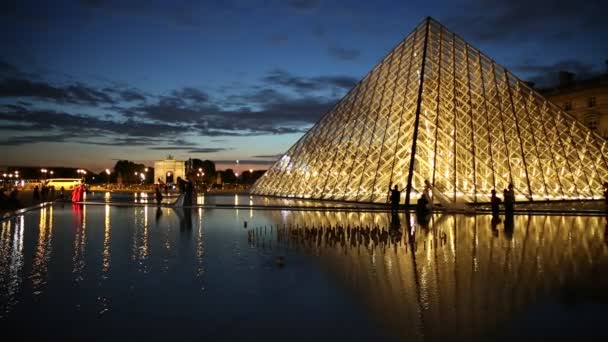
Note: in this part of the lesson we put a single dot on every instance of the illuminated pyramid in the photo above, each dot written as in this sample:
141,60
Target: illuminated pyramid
437,109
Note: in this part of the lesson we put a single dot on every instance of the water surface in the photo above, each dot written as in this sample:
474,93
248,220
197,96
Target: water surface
114,271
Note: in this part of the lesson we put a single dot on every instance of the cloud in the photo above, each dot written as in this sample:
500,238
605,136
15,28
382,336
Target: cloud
270,156
34,139
192,94
343,53
128,94
499,20
279,77
126,116
198,150
245,161
74,93
7,69
547,75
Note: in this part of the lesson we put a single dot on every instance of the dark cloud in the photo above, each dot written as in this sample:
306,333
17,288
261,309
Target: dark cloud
7,69
343,53
547,75
304,4
128,94
279,77
87,126
147,120
34,139
75,93
245,161
190,149
500,20
270,156
192,94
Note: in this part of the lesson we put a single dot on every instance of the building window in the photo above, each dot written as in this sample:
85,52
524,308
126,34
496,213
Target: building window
591,101
592,121
568,105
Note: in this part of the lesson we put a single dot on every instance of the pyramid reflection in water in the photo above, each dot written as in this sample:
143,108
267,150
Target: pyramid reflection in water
436,108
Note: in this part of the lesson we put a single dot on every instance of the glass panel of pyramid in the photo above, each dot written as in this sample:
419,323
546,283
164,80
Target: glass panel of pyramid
437,109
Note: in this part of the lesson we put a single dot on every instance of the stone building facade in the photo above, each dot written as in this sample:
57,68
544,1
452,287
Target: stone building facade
586,100
168,170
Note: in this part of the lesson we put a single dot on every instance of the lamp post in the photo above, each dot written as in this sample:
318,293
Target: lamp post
107,178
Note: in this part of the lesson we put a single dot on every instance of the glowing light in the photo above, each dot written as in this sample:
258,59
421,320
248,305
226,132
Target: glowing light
461,148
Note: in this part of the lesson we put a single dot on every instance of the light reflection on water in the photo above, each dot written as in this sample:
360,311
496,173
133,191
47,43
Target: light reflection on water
393,276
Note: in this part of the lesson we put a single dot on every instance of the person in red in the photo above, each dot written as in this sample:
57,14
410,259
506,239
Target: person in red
78,192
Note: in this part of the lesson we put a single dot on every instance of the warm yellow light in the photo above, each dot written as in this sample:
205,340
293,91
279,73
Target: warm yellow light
108,171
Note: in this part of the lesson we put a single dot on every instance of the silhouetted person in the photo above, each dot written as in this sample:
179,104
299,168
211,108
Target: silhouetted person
428,192
36,194
189,191
158,194
395,197
509,198
52,192
495,201
62,193
43,192
422,210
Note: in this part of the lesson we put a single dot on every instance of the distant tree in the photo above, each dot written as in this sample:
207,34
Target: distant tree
228,176
207,167
125,170
250,177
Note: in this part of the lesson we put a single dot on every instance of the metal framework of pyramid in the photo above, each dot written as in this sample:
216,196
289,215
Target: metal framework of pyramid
437,109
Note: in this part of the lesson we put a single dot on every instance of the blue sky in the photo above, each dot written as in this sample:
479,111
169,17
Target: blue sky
83,83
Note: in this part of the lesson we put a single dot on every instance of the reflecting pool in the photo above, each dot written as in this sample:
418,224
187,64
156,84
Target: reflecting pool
101,271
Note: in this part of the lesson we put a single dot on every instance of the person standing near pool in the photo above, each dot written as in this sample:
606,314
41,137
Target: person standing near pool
158,193
78,192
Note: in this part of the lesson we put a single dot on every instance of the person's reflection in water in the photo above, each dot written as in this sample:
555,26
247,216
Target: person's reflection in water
423,219
395,221
509,226
395,228
185,219
77,209
159,213
495,222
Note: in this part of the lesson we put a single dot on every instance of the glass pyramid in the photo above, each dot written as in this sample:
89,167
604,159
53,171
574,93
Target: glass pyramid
437,109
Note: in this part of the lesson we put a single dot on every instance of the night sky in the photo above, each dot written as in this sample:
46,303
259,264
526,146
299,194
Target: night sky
85,83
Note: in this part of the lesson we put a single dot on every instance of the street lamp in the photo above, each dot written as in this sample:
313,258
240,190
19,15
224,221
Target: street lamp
51,172
146,169
108,178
